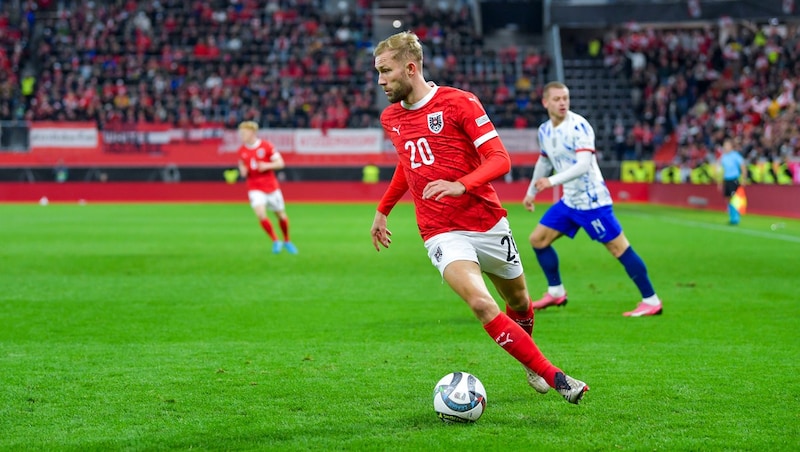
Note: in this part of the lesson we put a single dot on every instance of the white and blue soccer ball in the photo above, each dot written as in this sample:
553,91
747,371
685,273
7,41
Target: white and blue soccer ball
459,397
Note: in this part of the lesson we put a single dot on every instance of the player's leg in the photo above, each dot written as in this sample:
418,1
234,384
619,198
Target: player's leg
554,223
283,222
518,301
498,258
541,240
605,226
466,279
258,201
277,205
519,308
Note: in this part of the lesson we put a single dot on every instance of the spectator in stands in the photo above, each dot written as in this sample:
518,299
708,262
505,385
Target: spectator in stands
701,82
188,62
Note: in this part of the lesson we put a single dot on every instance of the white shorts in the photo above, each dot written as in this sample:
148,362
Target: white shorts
494,250
273,200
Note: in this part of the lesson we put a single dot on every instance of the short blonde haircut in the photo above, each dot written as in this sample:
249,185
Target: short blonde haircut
553,85
249,125
406,44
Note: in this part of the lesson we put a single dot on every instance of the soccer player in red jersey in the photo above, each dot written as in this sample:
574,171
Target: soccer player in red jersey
448,153
258,161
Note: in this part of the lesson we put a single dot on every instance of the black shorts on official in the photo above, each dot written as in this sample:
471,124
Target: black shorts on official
729,187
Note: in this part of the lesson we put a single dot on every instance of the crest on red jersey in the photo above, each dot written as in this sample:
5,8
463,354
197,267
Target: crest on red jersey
435,122
261,153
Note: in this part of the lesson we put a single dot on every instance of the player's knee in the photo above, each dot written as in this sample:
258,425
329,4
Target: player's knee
618,246
538,240
519,300
484,308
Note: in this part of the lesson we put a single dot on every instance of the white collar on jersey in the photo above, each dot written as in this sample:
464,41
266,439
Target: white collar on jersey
256,144
421,103
568,118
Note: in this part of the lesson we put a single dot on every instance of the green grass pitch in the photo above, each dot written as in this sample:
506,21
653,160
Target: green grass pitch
173,327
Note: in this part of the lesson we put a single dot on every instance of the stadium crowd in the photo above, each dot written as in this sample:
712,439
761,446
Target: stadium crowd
286,63
308,63
733,78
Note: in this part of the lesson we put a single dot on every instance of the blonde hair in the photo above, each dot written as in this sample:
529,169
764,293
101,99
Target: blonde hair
406,44
553,85
249,125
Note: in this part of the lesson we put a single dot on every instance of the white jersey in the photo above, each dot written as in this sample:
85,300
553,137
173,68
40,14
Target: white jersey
560,145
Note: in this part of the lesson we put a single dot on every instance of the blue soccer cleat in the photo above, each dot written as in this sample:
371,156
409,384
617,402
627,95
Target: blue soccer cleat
290,247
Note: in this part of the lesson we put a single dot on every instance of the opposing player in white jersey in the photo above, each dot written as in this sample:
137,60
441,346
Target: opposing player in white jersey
567,144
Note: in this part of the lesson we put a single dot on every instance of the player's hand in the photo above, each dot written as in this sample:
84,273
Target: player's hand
528,203
438,189
542,183
380,235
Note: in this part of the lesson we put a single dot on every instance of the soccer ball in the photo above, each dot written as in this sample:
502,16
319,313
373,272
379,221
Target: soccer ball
459,397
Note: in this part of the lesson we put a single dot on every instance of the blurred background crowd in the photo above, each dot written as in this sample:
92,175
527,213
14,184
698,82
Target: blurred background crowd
308,64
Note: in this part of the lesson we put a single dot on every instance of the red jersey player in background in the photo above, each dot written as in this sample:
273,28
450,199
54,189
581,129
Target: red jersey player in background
258,161
449,152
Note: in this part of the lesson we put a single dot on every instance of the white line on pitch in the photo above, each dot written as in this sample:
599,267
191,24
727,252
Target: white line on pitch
717,227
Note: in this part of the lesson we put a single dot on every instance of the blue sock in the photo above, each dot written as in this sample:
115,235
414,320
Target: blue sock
548,260
636,269
733,214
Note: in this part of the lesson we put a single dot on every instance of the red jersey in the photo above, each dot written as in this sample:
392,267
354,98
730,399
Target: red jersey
440,137
261,151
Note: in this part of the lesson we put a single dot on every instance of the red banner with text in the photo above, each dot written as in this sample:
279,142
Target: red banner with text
82,144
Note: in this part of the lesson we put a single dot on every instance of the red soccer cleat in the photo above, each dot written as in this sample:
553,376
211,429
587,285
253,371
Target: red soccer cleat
643,309
548,300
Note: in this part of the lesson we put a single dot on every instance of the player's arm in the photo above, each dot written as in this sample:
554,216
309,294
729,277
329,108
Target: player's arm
242,168
583,163
496,162
542,169
275,163
397,188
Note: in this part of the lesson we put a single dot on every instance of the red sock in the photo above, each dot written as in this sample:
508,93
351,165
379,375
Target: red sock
284,224
522,318
520,345
267,225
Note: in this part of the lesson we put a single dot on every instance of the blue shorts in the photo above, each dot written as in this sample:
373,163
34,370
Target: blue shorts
600,223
